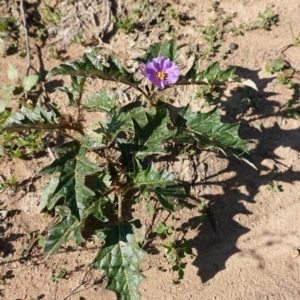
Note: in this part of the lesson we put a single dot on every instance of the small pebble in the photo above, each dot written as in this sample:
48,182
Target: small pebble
233,46
294,253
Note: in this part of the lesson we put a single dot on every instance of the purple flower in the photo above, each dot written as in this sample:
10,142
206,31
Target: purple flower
160,71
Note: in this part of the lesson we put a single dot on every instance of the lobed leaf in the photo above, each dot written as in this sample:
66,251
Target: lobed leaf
74,92
73,167
59,233
100,101
95,209
35,118
120,259
213,76
169,192
90,66
120,119
208,131
148,139
48,191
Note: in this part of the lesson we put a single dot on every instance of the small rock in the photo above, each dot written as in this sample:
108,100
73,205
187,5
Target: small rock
3,214
294,253
233,46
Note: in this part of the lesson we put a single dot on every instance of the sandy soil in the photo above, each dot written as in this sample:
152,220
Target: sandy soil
251,253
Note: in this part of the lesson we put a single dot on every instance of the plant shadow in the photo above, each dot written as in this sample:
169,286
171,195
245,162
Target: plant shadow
217,237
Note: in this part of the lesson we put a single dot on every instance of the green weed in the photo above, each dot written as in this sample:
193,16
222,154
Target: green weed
292,109
214,32
267,19
274,187
9,183
62,273
284,75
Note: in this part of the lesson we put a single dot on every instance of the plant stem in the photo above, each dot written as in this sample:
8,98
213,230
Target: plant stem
119,208
141,91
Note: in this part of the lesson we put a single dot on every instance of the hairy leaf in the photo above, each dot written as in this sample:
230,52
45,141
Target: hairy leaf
208,131
33,118
165,185
48,191
90,66
213,74
100,101
95,209
67,227
120,119
120,259
3,103
148,139
12,72
29,82
7,89
73,167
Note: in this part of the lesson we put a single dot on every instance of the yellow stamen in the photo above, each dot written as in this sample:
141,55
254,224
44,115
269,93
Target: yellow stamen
161,75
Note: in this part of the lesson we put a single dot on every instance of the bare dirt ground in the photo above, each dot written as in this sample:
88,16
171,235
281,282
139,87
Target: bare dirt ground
250,252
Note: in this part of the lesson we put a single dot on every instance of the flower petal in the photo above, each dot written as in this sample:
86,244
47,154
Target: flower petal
164,65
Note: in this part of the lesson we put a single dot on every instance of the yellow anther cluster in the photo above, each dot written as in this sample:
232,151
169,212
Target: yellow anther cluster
161,75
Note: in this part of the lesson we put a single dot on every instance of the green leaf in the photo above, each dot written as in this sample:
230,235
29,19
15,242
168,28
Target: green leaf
7,89
3,103
278,65
148,139
100,184
166,48
180,273
120,259
120,119
214,74
209,73
161,228
209,132
90,66
172,197
29,82
165,185
48,191
95,209
74,92
192,72
73,167
35,118
150,208
61,231
175,268
100,101
269,68
12,72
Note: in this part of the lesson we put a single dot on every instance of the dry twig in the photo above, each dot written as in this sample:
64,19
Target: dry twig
103,30
29,66
81,283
